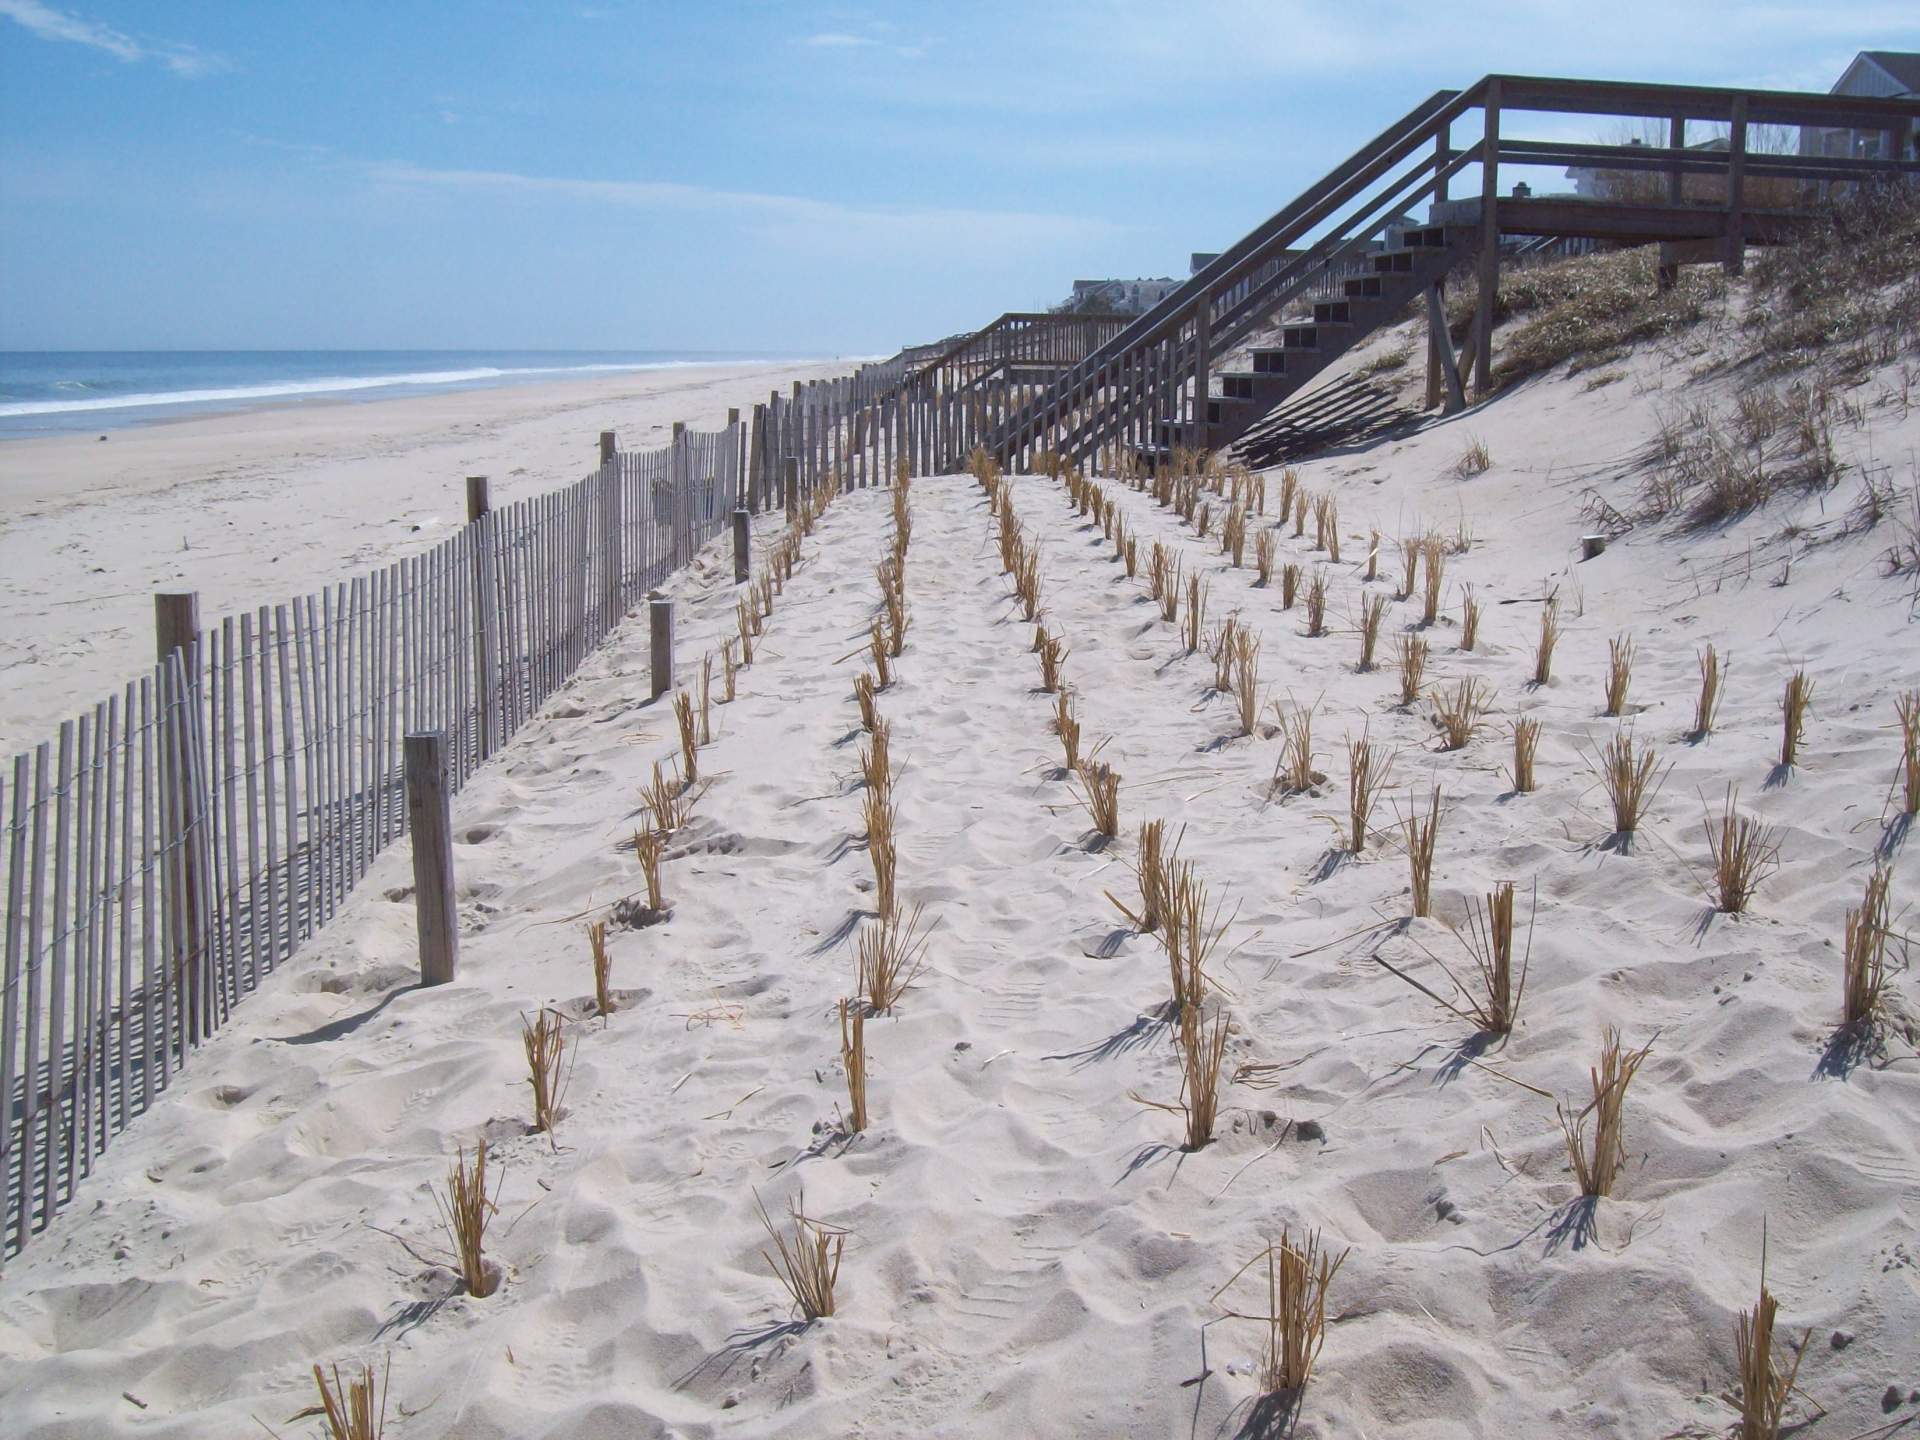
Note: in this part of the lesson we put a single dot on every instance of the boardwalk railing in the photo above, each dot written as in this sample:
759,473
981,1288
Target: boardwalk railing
174,844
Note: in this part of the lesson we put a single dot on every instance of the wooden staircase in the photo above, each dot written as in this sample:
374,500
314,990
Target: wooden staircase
1387,282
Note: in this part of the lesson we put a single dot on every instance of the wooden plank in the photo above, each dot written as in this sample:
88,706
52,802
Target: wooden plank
1736,260
59,1139
153,965
95,957
1488,270
285,624
437,917
34,1109
80,930
310,761
227,776
250,749
121,718
1441,346
10,997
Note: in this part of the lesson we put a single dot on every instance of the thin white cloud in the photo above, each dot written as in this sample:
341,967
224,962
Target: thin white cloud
820,224
59,25
834,40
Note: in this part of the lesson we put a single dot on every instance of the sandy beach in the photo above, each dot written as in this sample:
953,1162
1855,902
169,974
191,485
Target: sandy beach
1030,1251
256,507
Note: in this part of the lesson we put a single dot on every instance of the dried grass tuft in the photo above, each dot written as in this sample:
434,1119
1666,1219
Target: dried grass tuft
1368,767
863,692
1865,971
1764,1385
1433,550
1491,1004
880,815
1708,705
1744,852
1469,619
1100,795
649,847
667,802
1597,1167
1317,603
1476,459
545,1041
1459,711
727,669
1289,584
1793,716
1189,932
876,761
1410,548
1422,836
602,967
465,1210
1373,609
1246,681
1263,556
1195,624
689,736
1294,1323
1632,778
346,1403
1619,673
877,652
1294,770
1413,667
1202,1049
1907,706
1067,726
808,1263
1053,655
1549,636
890,953
745,621
853,1059
1526,743
1233,535
706,699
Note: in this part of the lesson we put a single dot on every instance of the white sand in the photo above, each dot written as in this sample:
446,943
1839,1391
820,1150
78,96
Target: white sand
1029,1257
261,506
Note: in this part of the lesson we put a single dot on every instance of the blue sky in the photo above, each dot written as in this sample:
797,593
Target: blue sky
728,176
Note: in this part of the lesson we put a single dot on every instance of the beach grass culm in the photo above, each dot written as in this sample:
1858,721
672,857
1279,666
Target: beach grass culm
1549,637
1221,652
1373,609
1596,1165
1433,554
1322,508
1053,657
727,669
876,763
1233,535
1294,770
347,1402
1476,459
1632,777
1317,603
1459,710
689,736
1469,618
1067,726
877,652
1289,584
1526,744
880,816
1619,673
888,956
1864,969
1246,681
1744,853
863,693
1100,795
1373,553
1294,1322
1202,1049
649,846
1410,548
1153,869
1708,705
746,631
1203,521
806,1258
602,967
1194,627
1189,932
706,699
1299,513
1133,556
1333,531
1907,707
1422,836
545,1041
1765,1383
1413,667
1027,583
1793,716
466,1209
1263,556
1368,767
1289,488
853,1059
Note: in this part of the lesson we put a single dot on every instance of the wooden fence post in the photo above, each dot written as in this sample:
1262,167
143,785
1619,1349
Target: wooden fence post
429,818
790,480
660,619
742,543
183,801
1489,270
478,500
613,551
1736,257
756,469
682,509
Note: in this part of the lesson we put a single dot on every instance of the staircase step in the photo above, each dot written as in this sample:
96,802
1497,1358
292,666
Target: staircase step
1332,312
1363,287
1394,262
1269,362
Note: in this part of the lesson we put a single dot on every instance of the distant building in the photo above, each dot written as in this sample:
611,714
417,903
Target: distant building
1886,74
1119,297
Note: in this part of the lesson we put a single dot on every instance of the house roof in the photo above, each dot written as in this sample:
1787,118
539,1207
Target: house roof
1902,65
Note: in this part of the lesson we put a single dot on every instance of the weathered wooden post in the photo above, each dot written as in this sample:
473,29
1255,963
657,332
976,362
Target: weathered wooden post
478,500
682,509
485,673
183,801
742,543
430,821
660,619
614,520
790,480
1736,257
1489,272
756,473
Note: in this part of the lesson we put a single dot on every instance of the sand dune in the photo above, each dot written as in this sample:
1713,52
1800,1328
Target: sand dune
1030,1252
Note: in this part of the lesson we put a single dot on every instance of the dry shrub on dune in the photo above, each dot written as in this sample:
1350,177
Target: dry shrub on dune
1619,673
1631,778
1744,853
1597,1166
1099,795
807,1264
1294,1323
1459,711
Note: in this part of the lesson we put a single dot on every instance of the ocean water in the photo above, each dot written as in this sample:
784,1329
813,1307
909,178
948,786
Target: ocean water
44,391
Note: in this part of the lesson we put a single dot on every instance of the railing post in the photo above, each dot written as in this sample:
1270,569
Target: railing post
430,821
1489,272
1736,256
478,499
183,802
1442,136
1676,177
660,651
1202,368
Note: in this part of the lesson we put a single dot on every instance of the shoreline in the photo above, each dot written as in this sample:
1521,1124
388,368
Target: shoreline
253,507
